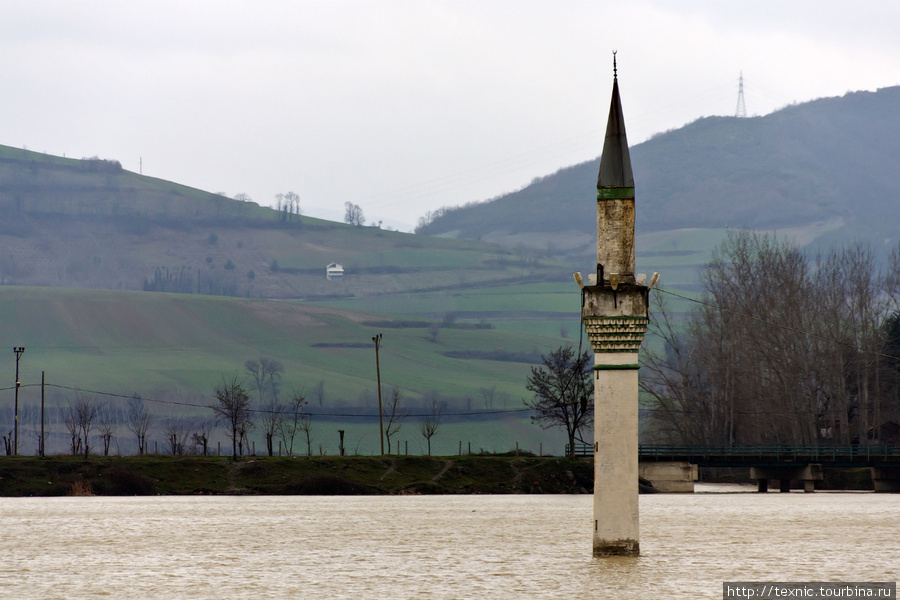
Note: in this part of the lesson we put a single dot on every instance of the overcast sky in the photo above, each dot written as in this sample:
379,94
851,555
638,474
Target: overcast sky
403,107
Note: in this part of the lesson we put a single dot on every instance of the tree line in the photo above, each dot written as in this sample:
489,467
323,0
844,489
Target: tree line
242,405
782,349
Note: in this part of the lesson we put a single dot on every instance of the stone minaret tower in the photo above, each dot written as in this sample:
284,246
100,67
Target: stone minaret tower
615,317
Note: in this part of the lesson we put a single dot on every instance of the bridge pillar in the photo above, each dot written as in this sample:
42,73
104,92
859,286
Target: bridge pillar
808,474
670,477
886,479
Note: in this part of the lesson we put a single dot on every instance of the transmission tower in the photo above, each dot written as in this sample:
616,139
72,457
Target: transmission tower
741,110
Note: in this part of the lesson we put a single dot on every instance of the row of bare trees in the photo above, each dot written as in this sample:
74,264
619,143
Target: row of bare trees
395,413
85,419
784,349
90,422
278,419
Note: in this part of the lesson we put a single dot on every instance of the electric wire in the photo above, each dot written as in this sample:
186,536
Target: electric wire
311,413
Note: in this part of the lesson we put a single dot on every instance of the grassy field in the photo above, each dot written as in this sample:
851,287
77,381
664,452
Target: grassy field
175,348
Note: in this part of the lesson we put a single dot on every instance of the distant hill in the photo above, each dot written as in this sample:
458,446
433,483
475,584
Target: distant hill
90,224
829,168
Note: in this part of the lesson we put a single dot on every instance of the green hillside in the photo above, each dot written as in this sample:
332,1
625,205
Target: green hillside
43,185
173,349
90,224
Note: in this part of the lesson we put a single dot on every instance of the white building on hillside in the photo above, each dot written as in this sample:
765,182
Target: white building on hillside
334,272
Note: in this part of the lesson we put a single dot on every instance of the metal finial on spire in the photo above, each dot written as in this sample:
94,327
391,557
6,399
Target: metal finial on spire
615,75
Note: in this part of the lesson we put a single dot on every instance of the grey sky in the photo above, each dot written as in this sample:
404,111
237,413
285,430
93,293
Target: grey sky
403,107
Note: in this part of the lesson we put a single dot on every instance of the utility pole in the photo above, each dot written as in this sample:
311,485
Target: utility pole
377,340
42,415
18,350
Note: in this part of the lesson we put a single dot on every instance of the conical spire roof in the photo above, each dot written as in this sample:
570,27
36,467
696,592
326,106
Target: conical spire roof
615,162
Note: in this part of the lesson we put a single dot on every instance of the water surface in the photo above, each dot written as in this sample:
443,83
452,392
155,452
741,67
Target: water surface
435,546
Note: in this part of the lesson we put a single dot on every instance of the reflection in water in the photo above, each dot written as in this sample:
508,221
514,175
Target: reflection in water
435,546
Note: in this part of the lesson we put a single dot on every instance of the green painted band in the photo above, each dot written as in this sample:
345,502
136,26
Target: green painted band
617,193
616,367
619,350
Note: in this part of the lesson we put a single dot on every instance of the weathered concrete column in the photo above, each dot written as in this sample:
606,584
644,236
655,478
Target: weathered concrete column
886,479
670,477
808,474
616,334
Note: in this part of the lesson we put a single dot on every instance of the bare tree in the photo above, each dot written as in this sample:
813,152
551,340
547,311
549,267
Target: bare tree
175,430
431,424
353,214
563,391
487,394
272,419
306,427
674,379
233,407
108,425
319,392
292,419
79,418
292,200
394,415
138,421
266,374
200,438
70,420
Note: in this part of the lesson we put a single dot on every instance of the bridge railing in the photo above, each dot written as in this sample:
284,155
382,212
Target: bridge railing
814,453
777,452
581,449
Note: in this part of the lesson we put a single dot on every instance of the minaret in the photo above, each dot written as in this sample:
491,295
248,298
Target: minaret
615,312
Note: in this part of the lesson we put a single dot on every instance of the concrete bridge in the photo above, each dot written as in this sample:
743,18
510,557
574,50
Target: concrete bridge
674,468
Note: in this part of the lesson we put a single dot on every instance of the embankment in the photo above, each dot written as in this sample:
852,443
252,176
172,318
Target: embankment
322,475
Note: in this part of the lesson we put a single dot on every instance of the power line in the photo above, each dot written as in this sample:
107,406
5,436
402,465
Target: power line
268,411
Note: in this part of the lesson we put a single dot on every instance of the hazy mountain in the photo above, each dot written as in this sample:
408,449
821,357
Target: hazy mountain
830,167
